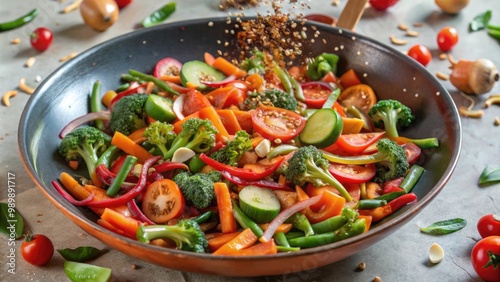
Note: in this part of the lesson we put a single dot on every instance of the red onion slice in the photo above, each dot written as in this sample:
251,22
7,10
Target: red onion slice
70,198
285,214
177,106
137,213
102,115
221,83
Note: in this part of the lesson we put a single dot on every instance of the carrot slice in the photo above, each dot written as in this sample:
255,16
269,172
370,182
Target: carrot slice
178,124
225,207
220,239
210,114
285,227
130,147
228,68
128,225
209,58
137,135
267,248
244,240
229,121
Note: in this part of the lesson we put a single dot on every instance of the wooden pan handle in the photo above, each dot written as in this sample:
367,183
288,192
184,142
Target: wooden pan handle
351,14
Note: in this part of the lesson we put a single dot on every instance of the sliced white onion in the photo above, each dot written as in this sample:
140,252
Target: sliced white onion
102,115
178,105
285,214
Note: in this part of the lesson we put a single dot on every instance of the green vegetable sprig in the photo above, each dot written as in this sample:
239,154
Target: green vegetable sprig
11,221
159,15
490,174
80,254
482,21
445,226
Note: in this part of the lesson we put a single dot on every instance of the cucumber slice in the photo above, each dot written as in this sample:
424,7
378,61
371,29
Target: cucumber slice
197,71
159,108
322,128
259,204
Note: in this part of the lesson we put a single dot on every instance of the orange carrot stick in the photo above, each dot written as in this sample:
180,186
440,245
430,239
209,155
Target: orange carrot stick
210,114
285,227
267,248
127,224
137,135
209,58
228,68
171,78
220,239
225,207
229,121
244,240
130,147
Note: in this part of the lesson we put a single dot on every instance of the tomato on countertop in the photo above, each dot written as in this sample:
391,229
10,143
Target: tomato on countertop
447,37
41,38
485,258
489,225
37,249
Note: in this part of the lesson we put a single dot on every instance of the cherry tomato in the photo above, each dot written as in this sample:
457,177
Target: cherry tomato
316,93
489,225
421,54
483,260
41,38
361,96
382,5
352,174
37,249
413,152
447,37
276,123
123,3
163,201
357,143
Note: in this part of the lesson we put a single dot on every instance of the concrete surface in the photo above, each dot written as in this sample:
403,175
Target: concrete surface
401,257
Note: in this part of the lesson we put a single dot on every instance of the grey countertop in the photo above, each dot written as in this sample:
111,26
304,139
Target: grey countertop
403,256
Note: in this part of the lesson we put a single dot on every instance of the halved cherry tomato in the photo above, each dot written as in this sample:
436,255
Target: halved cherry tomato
421,54
361,96
413,152
357,143
316,93
194,101
352,174
447,37
37,249
163,200
489,225
330,77
275,123
485,258
349,78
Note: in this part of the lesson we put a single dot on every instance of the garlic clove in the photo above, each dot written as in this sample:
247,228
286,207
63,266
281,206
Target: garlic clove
182,154
263,148
436,253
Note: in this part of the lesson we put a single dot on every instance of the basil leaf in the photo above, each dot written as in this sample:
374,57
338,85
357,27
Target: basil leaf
480,21
80,254
490,174
444,227
11,221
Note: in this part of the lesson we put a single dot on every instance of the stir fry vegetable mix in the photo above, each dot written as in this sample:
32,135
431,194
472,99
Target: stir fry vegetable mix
248,159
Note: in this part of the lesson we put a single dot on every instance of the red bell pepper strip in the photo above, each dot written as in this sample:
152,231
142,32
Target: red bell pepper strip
391,207
134,192
166,166
70,198
243,174
261,183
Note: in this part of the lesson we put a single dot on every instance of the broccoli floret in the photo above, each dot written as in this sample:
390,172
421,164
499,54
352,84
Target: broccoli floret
186,234
215,175
391,114
161,135
234,149
128,114
271,97
196,134
308,165
390,160
86,142
197,188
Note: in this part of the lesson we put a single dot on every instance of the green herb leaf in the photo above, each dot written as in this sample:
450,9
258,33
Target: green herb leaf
80,254
11,221
490,174
444,227
159,15
480,21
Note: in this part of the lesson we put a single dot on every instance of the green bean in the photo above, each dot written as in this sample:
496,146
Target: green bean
411,178
127,165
